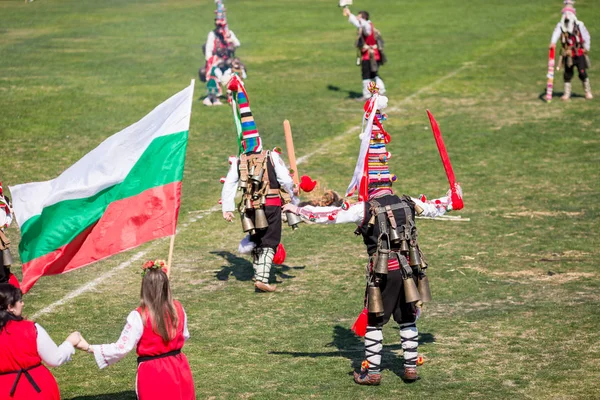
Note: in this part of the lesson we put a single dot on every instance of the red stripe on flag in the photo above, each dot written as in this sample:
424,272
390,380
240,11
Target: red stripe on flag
125,224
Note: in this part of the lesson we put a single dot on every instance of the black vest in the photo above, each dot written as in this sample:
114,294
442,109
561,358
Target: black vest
371,234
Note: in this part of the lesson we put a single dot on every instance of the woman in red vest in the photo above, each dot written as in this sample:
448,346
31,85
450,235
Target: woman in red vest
158,327
23,346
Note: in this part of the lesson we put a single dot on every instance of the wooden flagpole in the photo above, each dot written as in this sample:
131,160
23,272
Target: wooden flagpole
170,259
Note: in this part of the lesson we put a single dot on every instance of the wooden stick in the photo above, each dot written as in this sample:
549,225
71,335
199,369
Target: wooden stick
450,218
289,144
172,245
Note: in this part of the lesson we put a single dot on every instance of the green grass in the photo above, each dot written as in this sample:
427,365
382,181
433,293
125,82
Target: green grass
516,304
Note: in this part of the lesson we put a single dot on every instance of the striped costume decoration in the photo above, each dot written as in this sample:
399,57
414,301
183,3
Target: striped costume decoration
248,137
371,176
380,178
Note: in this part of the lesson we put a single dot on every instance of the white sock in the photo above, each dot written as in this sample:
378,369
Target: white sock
373,348
380,85
409,337
366,93
263,262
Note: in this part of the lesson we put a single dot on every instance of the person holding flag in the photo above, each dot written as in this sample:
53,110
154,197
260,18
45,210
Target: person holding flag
266,184
158,330
387,224
125,192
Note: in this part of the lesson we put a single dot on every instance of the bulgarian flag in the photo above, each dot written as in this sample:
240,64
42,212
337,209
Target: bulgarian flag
123,193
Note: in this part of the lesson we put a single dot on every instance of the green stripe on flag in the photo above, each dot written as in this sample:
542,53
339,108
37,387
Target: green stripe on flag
162,163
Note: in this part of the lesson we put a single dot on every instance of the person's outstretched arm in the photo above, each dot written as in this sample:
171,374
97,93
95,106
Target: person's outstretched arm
49,352
108,354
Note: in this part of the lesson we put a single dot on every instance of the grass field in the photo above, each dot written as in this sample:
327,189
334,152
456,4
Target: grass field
516,290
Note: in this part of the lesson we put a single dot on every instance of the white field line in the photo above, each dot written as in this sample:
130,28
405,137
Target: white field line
396,107
92,285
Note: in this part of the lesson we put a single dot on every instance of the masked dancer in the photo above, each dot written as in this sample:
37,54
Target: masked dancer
265,183
396,280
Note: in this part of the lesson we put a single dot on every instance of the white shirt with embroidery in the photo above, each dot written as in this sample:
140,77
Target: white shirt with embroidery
585,34
5,218
233,176
356,212
49,352
210,43
360,24
108,354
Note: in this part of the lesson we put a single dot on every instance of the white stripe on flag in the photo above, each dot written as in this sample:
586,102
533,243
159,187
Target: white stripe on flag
109,163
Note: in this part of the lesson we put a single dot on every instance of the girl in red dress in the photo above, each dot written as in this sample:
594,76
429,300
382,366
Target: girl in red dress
158,327
23,346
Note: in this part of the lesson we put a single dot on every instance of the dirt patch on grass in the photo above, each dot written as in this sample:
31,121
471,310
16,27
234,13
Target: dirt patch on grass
543,214
536,275
15,35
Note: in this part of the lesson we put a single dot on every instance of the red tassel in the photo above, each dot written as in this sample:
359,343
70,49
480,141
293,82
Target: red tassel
280,254
360,325
307,184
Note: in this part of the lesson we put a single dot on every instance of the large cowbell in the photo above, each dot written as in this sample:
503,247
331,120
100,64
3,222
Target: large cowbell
260,218
293,220
414,256
247,224
374,300
258,175
394,235
7,259
423,287
411,293
381,262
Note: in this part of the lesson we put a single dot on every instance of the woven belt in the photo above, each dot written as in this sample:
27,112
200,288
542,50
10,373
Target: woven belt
141,359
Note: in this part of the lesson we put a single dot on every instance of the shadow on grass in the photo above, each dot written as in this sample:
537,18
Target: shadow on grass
555,95
351,93
351,346
242,270
127,395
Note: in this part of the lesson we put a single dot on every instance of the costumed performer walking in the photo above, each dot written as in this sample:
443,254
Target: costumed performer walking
387,225
6,217
158,330
219,52
370,48
23,346
265,182
575,43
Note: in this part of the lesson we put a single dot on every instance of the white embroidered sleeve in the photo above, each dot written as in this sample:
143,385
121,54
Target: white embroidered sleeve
210,45
353,20
587,39
555,34
333,215
230,186
283,174
4,221
186,333
432,208
233,39
50,353
108,354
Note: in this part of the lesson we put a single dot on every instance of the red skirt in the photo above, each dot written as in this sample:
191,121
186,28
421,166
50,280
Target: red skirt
25,390
165,378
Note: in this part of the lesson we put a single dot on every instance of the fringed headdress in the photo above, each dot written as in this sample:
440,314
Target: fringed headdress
247,132
371,176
